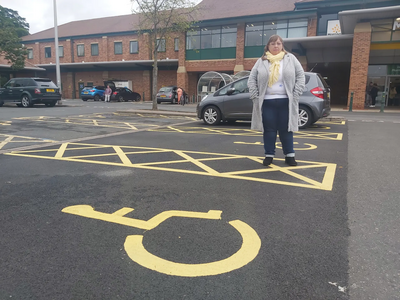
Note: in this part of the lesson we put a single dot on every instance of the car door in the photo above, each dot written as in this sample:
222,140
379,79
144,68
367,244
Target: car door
7,93
236,102
128,94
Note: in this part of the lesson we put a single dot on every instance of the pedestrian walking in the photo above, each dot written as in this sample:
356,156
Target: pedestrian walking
275,84
107,94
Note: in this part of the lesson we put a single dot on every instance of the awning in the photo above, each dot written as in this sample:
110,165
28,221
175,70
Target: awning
350,18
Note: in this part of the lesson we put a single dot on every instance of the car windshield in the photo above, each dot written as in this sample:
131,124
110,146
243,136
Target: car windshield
45,83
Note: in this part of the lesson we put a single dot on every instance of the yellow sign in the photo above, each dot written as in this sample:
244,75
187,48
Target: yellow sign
134,243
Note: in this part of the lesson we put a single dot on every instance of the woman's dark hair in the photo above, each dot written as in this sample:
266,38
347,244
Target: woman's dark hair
273,39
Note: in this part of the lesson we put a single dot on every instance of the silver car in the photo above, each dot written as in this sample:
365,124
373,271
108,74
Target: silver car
232,102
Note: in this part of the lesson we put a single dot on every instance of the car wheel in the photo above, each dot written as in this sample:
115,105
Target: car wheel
138,98
26,101
158,102
84,99
305,117
173,100
96,97
1,103
211,115
51,104
120,99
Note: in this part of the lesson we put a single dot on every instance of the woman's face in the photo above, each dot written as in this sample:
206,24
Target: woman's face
275,47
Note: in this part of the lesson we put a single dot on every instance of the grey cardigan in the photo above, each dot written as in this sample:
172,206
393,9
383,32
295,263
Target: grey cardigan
294,81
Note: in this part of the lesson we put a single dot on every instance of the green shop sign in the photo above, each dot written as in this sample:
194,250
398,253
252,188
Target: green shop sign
393,69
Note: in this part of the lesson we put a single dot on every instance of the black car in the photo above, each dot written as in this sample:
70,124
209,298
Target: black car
125,94
29,91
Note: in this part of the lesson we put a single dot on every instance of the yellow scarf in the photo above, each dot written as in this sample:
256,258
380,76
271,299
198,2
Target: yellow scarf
275,61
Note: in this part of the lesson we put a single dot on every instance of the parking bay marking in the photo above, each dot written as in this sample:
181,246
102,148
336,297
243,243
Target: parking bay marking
279,145
20,139
134,247
248,132
190,162
89,122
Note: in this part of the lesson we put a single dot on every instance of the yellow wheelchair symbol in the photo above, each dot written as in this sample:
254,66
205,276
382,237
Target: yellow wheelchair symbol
251,242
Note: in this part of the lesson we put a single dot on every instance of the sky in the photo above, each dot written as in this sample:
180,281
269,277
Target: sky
39,13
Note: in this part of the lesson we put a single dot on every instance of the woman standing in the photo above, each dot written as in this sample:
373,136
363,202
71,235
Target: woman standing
275,84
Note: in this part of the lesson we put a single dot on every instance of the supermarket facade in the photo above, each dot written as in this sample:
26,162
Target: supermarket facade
349,42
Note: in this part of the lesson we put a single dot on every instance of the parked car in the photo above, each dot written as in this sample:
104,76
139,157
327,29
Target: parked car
232,102
26,92
93,92
167,94
125,94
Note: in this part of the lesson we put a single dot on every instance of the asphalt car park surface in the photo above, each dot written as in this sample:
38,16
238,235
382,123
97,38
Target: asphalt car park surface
172,211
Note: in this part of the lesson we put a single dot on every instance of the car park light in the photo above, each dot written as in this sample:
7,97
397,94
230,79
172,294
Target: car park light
318,92
37,91
114,93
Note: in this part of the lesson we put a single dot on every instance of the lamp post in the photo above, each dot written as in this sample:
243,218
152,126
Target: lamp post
56,45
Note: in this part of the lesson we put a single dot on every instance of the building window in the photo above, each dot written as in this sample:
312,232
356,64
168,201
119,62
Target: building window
30,53
161,45
176,44
212,37
80,49
60,51
47,52
385,30
258,34
133,47
94,48
117,47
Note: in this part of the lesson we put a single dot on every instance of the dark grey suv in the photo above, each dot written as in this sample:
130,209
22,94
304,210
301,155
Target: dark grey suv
232,102
29,91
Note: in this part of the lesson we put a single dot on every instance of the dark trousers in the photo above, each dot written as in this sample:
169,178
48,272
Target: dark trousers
275,117
373,100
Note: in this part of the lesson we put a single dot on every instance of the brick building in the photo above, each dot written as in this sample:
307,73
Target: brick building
350,42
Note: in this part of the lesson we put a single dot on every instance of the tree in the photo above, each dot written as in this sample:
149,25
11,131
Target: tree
158,18
12,28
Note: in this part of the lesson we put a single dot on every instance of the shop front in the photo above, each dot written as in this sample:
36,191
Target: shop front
387,80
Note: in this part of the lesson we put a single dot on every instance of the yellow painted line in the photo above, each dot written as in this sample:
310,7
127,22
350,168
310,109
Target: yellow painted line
197,163
123,211
89,212
250,248
61,150
95,122
6,141
131,126
125,160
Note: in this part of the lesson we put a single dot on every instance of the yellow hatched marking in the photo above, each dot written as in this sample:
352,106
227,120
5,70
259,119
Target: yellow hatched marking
197,163
6,141
61,150
245,132
95,122
187,157
125,160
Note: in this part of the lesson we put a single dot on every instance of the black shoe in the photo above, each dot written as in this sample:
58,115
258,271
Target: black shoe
267,161
290,161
